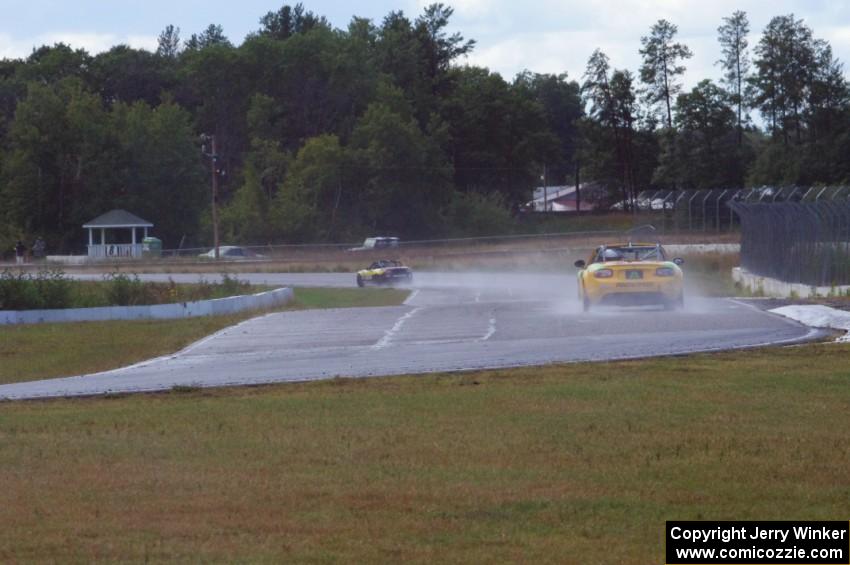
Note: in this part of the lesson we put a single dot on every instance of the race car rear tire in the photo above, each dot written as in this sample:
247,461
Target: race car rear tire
360,282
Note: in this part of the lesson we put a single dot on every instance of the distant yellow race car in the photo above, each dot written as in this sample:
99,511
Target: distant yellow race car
631,274
385,272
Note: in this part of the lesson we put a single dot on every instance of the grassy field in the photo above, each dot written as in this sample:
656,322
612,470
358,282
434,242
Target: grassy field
569,464
40,351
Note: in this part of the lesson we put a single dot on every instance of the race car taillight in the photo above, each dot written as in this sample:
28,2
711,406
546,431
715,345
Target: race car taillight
664,272
604,274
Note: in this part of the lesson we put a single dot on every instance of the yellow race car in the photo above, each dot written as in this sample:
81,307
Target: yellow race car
631,274
385,272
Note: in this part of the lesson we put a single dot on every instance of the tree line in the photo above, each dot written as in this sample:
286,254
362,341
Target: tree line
328,134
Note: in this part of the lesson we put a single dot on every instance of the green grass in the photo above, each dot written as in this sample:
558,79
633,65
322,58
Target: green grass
569,464
348,297
40,351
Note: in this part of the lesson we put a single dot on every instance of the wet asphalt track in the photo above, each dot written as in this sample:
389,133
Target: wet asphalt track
450,322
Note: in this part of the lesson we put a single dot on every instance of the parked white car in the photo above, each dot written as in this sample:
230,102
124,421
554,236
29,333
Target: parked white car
371,243
232,253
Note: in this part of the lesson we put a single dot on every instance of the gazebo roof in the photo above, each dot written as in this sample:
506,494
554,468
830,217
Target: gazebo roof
118,219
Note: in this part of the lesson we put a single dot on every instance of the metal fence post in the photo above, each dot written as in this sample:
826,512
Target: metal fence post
704,215
717,210
732,200
690,221
806,194
675,208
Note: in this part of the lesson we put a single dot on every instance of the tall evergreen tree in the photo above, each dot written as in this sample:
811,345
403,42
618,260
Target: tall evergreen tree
785,65
212,36
612,102
662,66
288,21
736,61
168,43
703,151
560,99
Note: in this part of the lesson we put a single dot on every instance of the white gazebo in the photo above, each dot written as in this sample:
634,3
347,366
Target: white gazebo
113,241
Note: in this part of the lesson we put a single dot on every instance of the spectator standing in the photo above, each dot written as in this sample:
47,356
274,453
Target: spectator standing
20,250
38,248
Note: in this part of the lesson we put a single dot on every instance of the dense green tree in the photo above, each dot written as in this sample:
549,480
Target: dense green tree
828,96
49,64
613,105
213,36
703,151
59,161
440,49
802,94
626,117
288,21
498,135
561,101
332,134
160,176
402,176
472,214
11,91
126,74
320,82
315,197
784,66
69,159
249,216
215,87
418,55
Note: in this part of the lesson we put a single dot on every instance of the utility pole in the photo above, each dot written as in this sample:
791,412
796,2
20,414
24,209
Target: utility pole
213,155
545,191
578,187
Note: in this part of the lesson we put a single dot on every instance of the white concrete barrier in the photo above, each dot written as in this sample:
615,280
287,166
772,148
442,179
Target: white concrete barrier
767,286
217,306
702,248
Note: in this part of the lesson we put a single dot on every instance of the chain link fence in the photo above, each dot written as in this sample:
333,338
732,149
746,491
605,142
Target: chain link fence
710,210
804,242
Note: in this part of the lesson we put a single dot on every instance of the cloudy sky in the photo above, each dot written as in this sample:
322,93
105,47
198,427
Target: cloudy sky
540,35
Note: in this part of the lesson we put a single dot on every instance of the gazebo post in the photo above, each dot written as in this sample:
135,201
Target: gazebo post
103,236
91,236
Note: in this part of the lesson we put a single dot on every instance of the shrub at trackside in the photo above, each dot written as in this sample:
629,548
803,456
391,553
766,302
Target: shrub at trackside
124,290
51,289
